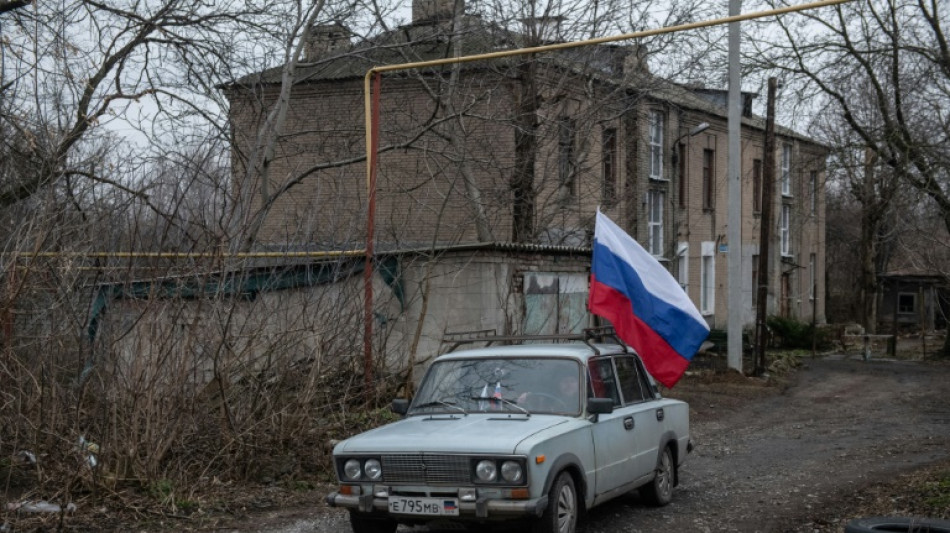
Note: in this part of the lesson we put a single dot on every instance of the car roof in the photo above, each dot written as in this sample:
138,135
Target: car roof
573,350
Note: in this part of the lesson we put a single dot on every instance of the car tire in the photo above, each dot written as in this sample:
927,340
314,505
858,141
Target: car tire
879,523
364,524
560,516
659,492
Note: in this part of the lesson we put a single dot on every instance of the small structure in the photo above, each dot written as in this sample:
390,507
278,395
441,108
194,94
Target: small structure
913,300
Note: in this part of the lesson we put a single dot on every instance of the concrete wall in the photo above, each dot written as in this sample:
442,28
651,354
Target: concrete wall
188,342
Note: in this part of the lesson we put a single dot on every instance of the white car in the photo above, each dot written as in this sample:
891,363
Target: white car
534,432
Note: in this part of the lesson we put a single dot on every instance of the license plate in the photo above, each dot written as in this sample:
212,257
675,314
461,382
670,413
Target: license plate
424,506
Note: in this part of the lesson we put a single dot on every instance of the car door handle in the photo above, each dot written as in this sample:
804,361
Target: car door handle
628,423
660,415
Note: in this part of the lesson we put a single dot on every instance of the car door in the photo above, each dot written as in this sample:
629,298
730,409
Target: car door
613,435
640,404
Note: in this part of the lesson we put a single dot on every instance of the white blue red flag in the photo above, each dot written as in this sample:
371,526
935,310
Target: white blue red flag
647,307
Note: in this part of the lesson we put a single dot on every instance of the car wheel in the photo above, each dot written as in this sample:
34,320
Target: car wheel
561,513
869,525
659,492
363,524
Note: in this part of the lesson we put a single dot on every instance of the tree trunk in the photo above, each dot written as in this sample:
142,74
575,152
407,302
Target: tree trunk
526,147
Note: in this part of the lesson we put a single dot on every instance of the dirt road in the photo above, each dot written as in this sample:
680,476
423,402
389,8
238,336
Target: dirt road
771,460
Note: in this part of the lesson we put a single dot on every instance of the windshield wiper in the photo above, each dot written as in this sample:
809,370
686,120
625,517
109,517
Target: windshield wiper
504,401
441,403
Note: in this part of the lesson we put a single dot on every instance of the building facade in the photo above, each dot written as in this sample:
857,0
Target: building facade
523,150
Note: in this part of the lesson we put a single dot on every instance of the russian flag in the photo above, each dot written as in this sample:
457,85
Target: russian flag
647,307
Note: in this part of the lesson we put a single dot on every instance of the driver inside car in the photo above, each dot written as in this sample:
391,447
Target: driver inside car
563,397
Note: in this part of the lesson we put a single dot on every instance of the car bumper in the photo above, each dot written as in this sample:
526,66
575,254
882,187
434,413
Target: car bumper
483,508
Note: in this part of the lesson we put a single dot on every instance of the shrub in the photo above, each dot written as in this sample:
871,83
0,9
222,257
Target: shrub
792,334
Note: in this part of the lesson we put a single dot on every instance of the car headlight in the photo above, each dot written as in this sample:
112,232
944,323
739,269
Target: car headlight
352,470
486,471
374,470
511,472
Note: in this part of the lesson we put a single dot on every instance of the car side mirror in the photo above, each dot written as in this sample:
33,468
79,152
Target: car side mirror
400,406
600,406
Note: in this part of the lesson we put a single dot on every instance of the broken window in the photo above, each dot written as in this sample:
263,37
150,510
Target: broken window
555,303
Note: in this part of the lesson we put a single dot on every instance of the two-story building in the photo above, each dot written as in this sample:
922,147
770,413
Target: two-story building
493,159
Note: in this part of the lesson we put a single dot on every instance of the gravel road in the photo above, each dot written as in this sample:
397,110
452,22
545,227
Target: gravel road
767,459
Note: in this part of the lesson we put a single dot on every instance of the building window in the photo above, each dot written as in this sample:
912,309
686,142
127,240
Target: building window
709,177
683,179
682,265
566,161
609,165
756,185
655,200
813,186
755,280
657,120
814,276
785,228
554,302
786,170
906,303
707,279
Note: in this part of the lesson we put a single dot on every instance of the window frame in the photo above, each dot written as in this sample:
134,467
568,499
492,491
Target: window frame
682,176
786,169
682,265
709,178
657,133
609,158
567,156
785,226
616,397
645,392
913,307
655,236
813,181
707,279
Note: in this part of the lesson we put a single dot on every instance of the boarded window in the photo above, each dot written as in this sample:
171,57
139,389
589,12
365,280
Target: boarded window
555,303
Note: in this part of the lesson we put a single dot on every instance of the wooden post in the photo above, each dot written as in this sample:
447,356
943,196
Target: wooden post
814,319
896,291
765,230
923,321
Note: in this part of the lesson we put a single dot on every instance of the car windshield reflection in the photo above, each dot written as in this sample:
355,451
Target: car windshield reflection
525,385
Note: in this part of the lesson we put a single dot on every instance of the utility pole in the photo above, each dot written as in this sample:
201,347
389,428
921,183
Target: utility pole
765,230
734,190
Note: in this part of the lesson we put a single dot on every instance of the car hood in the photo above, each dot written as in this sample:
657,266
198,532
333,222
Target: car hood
478,433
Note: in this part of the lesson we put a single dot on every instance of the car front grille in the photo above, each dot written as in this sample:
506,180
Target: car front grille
417,468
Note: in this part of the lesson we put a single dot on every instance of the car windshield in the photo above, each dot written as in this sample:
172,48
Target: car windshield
515,385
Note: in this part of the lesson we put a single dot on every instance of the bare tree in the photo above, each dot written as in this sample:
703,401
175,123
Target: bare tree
881,68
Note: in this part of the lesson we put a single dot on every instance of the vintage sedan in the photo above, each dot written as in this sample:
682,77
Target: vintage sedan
529,432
